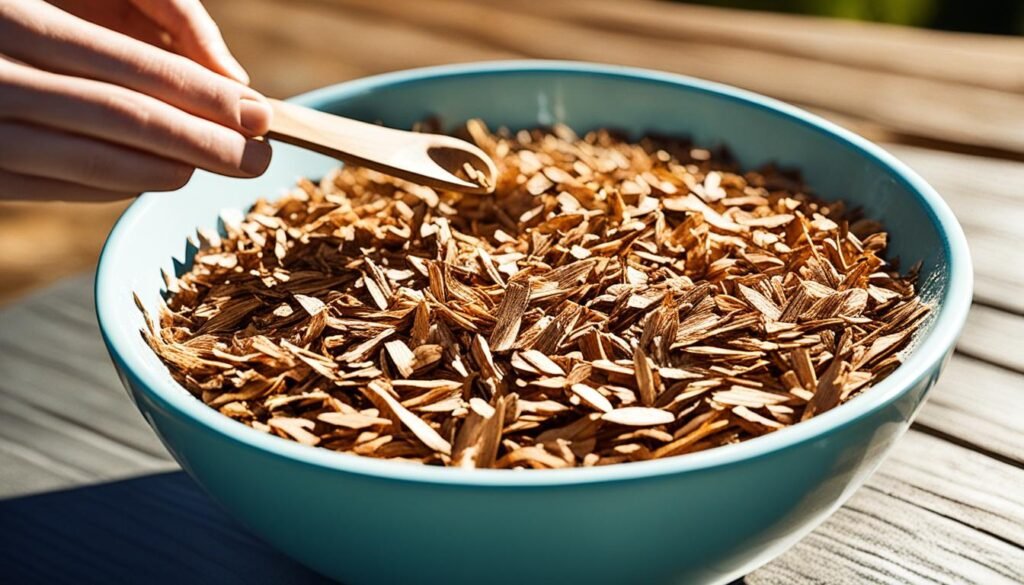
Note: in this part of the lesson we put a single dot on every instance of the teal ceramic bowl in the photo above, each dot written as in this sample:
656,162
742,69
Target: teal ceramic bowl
708,517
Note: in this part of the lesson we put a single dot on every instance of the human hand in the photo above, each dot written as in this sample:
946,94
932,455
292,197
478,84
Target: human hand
90,112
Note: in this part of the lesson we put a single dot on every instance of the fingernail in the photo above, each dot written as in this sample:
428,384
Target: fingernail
254,116
255,157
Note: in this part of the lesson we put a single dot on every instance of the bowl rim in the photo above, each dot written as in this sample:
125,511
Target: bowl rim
931,350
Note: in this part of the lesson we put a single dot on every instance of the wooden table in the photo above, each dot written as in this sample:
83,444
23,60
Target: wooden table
90,495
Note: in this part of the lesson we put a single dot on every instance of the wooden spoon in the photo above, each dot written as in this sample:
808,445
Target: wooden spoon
427,159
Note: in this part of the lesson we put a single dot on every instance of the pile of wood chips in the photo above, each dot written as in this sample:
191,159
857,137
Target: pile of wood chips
611,302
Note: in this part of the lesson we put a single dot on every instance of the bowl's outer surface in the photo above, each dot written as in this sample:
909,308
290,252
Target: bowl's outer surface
702,518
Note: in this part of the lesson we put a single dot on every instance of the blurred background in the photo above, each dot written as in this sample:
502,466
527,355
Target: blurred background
1004,17
889,69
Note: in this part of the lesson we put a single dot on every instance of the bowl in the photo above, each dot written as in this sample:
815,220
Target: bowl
707,517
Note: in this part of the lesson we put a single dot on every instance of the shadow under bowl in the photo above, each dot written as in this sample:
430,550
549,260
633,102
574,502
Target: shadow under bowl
707,517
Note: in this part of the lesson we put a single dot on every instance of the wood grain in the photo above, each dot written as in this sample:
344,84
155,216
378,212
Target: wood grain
64,418
986,197
979,60
977,405
957,483
933,513
994,336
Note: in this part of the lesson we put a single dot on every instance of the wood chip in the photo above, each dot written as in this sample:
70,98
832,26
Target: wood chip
510,315
592,397
295,428
542,363
751,416
353,420
423,431
402,357
611,301
638,416
479,438
644,378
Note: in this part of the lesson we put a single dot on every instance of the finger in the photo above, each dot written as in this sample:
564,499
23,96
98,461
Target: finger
115,114
42,152
49,38
117,15
195,34
24,187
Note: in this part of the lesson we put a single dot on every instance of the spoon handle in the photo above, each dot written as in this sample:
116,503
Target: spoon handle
427,159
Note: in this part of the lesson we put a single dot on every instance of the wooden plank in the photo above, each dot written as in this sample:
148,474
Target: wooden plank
978,405
998,271
56,371
879,539
956,483
26,471
985,195
971,59
315,45
962,114
994,336
64,417
280,67
934,513
71,448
